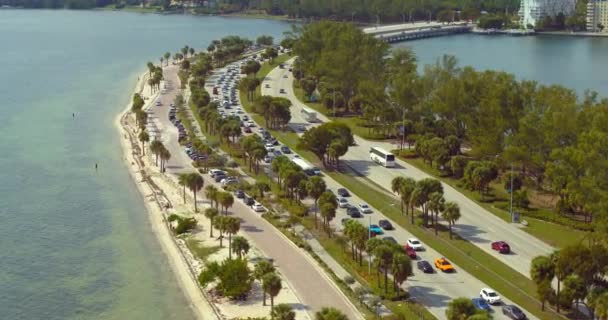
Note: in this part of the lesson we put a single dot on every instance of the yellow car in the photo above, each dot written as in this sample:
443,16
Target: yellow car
443,265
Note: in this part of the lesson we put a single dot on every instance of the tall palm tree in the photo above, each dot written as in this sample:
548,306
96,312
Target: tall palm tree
396,185
182,179
271,283
167,56
240,246
436,205
162,59
156,146
330,313
195,184
260,270
191,51
416,199
451,214
220,223
401,268
384,257
226,200
407,187
165,155
211,213
233,225
283,311
144,137
211,193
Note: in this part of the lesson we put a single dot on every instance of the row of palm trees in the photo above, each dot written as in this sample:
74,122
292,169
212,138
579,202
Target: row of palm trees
387,256
426,194
194,182
160,152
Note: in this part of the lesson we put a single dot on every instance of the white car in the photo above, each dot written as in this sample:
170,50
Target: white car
365,208
251,124
213,172
489,295
257,207
342,202
415,244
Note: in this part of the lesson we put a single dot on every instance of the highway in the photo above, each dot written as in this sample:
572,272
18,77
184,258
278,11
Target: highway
433,290
476,224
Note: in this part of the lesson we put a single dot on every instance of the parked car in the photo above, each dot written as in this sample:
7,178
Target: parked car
229,181
444,265
365,208
481,304
219,177
239,194
282,91
501,247
410,251
213,172
257,207
385,224
342,202
343,192
513,312
375,229
285,149
489,295
277,153
389,239
247,130
424,266
415,244
353,212
248,200
267,85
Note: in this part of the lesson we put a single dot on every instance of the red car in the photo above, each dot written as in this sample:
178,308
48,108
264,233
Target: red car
247,130
501,247
410,251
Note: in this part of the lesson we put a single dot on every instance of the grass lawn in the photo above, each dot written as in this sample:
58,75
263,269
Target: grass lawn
554,234
483,266
200,251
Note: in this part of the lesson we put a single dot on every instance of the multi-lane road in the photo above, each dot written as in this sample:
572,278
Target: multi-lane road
433,290
476,224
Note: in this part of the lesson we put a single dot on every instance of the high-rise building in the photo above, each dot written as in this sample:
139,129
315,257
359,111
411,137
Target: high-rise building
597,16
533,11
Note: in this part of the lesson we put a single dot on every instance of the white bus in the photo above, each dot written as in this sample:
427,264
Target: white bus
382,157
306,167
309,114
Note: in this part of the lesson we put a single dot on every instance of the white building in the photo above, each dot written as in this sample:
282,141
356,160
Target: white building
597,16
533,11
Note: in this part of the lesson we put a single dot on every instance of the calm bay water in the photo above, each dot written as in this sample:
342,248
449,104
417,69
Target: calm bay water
75,243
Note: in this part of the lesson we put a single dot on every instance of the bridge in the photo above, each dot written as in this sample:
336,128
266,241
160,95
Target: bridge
412,31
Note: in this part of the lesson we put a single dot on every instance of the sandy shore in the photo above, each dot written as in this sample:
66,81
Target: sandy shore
155,203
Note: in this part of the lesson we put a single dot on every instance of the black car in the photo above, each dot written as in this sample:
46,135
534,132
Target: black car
248,200
219,177
353,212
513,312
239,194
389,239
385,224
424,266
343,192
285,149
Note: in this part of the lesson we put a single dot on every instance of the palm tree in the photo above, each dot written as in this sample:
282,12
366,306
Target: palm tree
384,256
240,246
396,185
282,311
211,193
271,283
150,66
407,187
261,187
165,155
144,137
330,313
226,200
451,214
167,56
162,59
401,268
191,51
233,225
260,270
195,184
182,179
316,187
211,213
156,146
416,199
220,223
436,204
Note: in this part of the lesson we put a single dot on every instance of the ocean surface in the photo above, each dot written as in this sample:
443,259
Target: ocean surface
75,243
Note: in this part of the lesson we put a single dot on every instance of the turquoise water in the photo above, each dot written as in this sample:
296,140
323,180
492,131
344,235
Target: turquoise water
579,63
75,243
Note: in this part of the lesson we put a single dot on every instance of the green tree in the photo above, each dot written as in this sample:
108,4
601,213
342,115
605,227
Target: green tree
460,309
195,184
271,283
233,225
240,246
143,137
401,268
235,279
436,205
328,212
316,188
211,193
182,180
226,200
262,268
211,213
451,214
330,313
283,311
